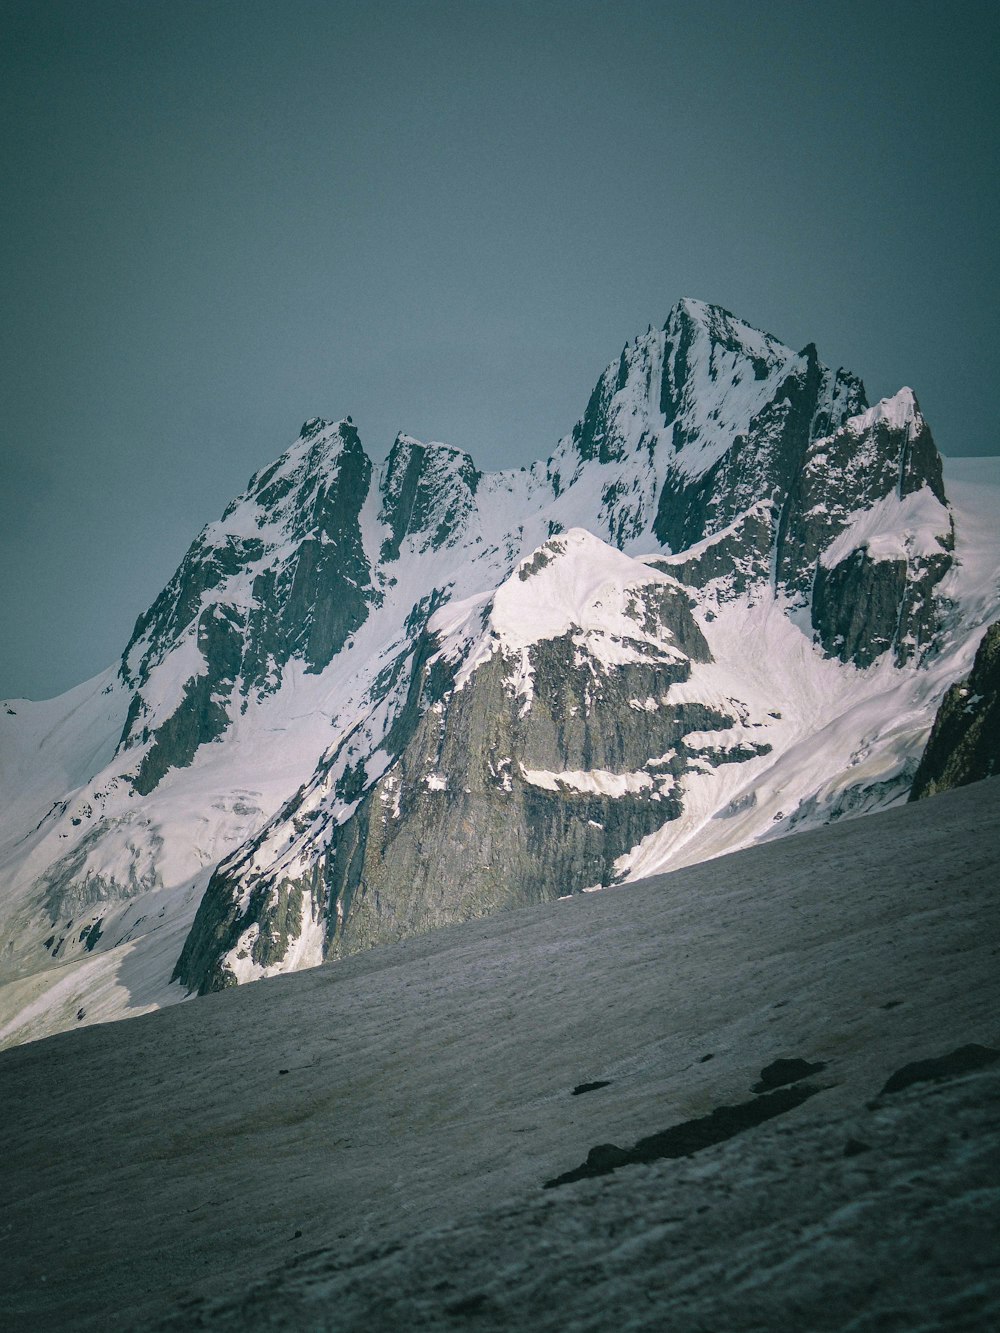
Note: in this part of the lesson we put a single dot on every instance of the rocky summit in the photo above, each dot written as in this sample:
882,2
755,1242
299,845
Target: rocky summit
378,699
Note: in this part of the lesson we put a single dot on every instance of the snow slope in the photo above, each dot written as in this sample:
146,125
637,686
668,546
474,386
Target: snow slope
365,1145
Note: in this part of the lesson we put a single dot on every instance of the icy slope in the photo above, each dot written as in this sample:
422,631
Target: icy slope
365,1145
329,642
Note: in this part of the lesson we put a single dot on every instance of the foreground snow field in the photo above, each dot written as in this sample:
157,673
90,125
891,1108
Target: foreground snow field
365,1145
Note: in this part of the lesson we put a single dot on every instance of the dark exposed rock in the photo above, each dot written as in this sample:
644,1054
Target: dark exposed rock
310,605
864,606
422,850
220,922
591,435
845,472
690,1136
201,715
90,935
275,905
855,608
783,1071
204,569
427,492
740,555
305,603
762,465
963,1060
773,503
964,744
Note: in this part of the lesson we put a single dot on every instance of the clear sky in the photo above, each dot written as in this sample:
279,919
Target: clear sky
220,217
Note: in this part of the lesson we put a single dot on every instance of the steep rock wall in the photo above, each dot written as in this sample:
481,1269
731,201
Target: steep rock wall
964,744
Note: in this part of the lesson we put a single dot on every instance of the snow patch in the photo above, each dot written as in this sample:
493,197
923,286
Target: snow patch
913,527
597,781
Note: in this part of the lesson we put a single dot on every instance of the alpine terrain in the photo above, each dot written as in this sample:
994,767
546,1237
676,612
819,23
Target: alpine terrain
758,1093
375,700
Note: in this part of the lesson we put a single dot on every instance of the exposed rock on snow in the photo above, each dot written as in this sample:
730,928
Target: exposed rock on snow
961,1061
786,1070
691,1136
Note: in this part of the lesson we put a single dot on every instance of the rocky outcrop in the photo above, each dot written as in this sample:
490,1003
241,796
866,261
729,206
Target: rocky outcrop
493,805
864,607
732,561
964,744
868,533
883,452
201,715
428,494
762,461
855,608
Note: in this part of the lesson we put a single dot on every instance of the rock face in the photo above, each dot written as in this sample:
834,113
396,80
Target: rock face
519,770
964,744
373,700
244,604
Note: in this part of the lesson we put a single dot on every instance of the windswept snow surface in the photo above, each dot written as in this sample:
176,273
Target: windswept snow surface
365,1145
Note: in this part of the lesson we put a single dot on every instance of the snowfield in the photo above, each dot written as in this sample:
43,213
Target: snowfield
365,1145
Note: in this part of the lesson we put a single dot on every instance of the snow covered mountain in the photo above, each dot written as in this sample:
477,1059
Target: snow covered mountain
376,700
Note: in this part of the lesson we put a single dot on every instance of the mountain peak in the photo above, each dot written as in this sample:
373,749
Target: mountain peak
312,427
405,443
377,700
723,327
320,425
899,411
427,493
572,581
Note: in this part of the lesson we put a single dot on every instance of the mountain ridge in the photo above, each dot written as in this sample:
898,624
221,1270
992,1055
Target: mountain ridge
293,684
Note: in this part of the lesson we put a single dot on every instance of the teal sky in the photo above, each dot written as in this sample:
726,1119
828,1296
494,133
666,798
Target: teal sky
219,219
